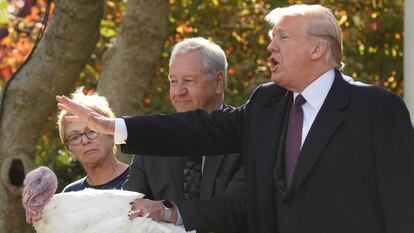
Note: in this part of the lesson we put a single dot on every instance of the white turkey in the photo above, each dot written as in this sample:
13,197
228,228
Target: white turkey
87,211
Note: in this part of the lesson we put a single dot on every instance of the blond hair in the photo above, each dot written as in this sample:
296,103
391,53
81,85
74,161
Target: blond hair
94,101
321,25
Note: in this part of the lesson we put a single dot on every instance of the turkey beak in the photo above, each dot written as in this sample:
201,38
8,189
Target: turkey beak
27,196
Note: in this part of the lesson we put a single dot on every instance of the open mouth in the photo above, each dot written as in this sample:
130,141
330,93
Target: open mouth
273,64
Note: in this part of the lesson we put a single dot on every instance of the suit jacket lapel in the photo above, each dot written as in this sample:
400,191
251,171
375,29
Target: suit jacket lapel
270,133
329,118
268,138
211,168
278,172
177,168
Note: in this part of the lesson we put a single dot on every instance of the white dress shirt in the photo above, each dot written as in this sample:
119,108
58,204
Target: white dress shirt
315,95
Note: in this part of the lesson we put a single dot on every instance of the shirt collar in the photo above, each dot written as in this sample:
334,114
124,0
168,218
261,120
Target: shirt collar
317,91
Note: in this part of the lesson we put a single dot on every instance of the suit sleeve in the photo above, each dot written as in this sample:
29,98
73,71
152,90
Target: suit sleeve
189,133
224,213
137,179
394,164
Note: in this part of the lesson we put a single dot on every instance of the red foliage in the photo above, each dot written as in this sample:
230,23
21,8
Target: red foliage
17,41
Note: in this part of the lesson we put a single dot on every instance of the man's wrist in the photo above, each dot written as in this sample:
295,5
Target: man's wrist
174,214
167,214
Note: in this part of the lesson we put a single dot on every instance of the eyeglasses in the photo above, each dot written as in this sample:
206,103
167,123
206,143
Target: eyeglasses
76,138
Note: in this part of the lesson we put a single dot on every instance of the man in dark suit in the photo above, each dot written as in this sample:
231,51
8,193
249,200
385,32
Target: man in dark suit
322,154
197,78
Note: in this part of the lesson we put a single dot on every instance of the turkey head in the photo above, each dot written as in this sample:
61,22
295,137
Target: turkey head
39,186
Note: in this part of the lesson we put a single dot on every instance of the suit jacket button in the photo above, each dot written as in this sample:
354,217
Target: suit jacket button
285,205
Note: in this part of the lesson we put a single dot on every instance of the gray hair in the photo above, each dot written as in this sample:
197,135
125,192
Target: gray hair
322,25
214,58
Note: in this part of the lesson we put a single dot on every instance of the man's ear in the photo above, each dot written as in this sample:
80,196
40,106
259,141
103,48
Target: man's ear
319,49
219,82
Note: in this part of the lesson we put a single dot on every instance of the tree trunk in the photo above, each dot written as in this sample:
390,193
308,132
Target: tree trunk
130,64
30,97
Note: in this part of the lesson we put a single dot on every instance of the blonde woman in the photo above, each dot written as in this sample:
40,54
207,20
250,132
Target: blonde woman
95,151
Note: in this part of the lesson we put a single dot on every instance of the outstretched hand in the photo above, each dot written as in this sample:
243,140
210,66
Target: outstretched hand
94,120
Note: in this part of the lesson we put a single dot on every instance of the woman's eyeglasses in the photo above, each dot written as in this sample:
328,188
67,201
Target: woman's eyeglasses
76,138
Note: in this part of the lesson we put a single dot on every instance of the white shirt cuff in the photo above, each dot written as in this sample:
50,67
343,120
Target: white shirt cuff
121,133
180,221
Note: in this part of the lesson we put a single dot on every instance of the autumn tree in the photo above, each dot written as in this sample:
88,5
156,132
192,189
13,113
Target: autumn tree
53,69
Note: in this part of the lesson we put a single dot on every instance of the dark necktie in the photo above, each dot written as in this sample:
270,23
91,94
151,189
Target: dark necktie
293,138
192,178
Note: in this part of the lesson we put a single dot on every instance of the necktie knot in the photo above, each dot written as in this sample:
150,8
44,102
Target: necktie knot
299,101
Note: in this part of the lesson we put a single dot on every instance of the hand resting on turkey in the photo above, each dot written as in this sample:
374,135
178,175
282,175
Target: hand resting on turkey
87,211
